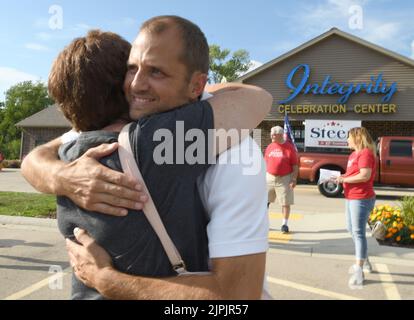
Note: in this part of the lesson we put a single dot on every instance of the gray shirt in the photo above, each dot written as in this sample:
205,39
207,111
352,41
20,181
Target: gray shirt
131,241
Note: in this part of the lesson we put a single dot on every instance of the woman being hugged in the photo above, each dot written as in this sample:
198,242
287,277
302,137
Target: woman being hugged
358,182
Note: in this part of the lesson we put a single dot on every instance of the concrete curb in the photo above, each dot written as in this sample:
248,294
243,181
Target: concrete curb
41,222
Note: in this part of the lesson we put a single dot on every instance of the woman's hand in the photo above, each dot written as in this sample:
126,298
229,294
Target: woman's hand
339,180
87,258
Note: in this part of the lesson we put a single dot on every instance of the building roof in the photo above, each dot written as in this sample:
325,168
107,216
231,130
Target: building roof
333,31
50,117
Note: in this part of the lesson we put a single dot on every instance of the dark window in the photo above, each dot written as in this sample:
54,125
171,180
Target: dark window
39,142
299,135
401,148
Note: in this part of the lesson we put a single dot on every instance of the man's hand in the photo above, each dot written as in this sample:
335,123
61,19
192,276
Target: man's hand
95,187
294,177
88,258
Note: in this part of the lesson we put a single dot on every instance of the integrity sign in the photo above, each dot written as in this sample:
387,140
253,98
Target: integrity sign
375,86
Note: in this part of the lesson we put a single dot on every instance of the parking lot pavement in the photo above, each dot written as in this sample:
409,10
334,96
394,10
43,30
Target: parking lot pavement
309,263
11,180
29,256
312,261
304,277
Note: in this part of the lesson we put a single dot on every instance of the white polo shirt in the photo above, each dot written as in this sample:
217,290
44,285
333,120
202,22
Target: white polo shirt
235,196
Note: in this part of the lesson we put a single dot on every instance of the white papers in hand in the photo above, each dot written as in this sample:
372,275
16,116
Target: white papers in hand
327,175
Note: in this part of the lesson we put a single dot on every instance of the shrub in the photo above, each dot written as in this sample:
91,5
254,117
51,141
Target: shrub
11,164
407,209
399,229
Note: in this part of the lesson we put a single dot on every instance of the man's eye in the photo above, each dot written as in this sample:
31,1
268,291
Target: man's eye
157,72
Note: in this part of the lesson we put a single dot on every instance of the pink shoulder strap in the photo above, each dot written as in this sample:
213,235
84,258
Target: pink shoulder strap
130,168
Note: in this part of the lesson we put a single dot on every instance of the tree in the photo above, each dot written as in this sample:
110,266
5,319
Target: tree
22,100
230,68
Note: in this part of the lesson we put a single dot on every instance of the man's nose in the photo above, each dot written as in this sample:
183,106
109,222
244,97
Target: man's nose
140,82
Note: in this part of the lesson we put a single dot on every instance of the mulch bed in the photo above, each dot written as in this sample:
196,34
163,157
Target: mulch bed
391,243
395,244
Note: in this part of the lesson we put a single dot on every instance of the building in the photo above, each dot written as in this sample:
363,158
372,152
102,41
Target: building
42,127
338,76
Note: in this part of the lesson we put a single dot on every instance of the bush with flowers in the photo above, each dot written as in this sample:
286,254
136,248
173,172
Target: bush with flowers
398,222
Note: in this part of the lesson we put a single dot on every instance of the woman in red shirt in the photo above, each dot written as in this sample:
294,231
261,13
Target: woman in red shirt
358,182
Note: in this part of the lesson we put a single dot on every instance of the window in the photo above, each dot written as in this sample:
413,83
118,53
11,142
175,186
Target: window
39,142
299,135
401,148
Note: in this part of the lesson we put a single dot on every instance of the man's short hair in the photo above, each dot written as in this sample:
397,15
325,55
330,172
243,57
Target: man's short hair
276,130
87,78
196,52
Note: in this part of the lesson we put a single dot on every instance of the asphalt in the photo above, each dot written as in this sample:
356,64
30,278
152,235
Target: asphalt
310,263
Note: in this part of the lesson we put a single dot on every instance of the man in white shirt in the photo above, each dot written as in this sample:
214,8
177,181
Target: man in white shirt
236,203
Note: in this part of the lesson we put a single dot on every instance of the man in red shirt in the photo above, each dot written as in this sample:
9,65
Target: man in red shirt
282,172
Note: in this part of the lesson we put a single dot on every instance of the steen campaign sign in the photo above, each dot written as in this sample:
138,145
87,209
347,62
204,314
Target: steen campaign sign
328,133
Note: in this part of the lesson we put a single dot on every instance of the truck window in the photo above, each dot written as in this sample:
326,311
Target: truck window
401,148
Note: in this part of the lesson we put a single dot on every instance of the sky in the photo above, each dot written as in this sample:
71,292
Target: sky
32,33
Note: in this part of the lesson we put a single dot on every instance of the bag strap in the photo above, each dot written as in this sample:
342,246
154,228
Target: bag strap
130,168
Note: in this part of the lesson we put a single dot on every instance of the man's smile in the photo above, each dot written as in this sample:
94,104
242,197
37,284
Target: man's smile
137,101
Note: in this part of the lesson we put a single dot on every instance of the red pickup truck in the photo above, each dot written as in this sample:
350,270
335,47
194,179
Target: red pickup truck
395,165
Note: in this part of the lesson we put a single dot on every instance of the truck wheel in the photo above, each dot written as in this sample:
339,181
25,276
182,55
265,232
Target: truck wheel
330,189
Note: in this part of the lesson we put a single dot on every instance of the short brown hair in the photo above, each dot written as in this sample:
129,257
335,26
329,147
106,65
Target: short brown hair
87,78
195,55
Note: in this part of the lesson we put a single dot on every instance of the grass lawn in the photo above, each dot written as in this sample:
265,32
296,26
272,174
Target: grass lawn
27,205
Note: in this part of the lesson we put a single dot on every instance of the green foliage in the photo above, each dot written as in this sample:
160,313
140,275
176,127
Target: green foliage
407,209
22,101
230,68
27,204
12,150
11,164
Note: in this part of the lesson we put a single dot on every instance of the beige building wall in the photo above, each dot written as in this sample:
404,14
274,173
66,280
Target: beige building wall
345,61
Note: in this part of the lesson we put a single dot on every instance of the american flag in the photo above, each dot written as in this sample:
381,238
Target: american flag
287,134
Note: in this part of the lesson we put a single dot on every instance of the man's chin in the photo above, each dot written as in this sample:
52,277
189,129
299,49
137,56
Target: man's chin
136,114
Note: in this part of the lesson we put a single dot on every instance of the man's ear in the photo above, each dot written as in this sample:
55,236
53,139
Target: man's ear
197,84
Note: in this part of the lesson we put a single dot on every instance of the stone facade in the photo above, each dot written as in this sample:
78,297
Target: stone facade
33,137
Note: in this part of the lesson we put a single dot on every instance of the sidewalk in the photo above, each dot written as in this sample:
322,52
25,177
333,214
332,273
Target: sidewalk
309,263
325,236
312,261
11,180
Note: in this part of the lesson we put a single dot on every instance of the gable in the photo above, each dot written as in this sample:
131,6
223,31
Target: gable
345,61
